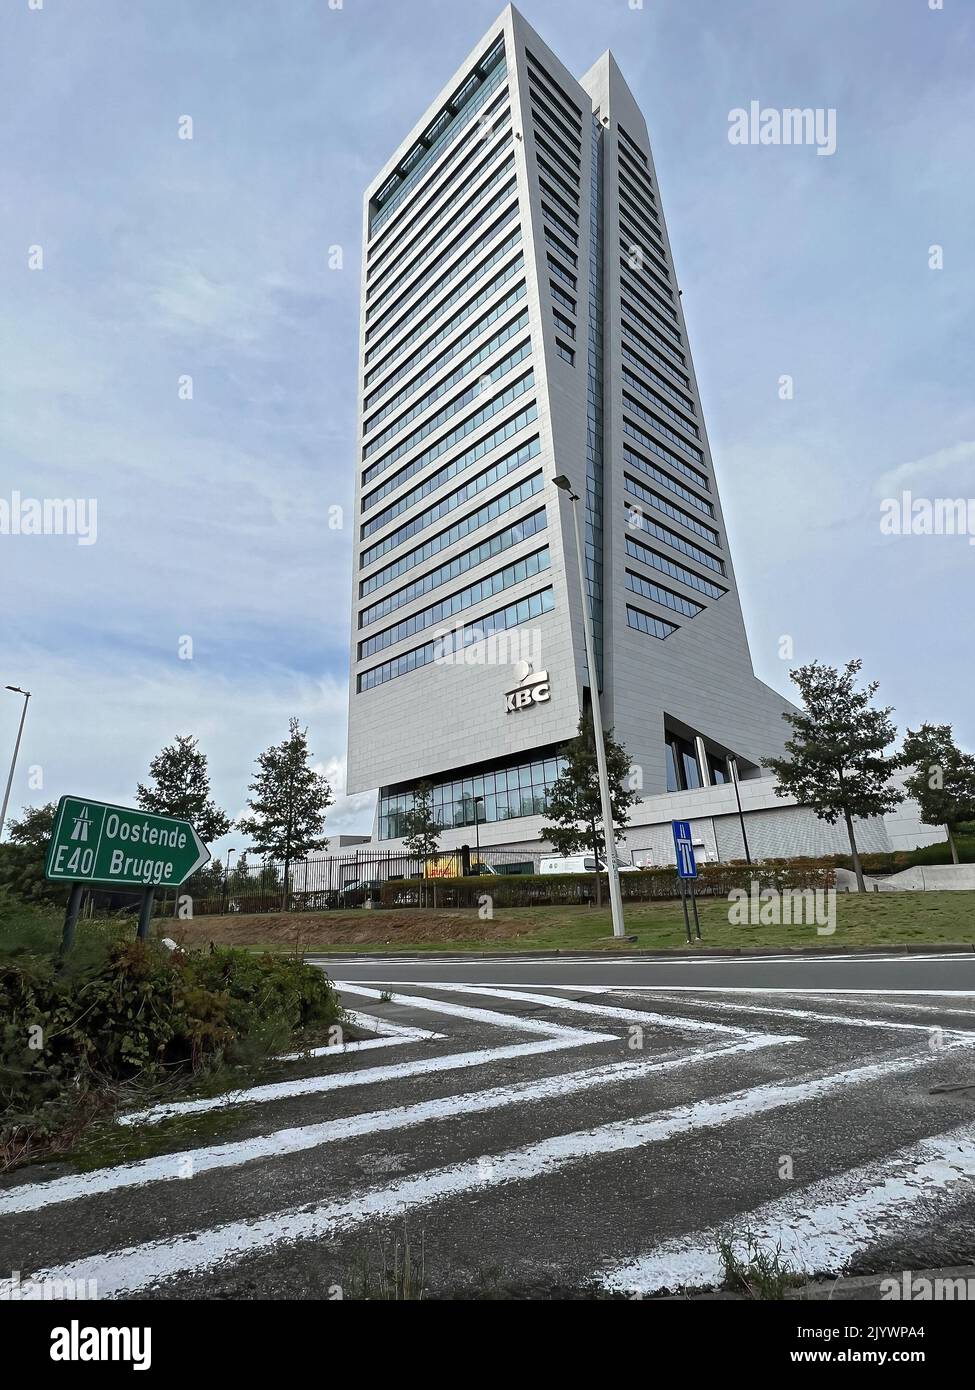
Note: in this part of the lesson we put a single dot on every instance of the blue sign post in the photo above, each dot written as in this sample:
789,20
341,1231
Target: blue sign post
686,870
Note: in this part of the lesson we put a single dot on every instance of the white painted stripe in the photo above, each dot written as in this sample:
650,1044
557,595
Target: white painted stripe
517,1022
963,1035
388,1035
192,1162
138,1267
820,1228
554,1038
611,1011
319,1085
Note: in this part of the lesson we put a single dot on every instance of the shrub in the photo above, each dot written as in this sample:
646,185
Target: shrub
139,1013
531,890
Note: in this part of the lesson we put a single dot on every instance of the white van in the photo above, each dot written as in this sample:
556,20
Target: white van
580,864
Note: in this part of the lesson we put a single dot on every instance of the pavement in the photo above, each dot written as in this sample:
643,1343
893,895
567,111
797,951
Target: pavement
563,1127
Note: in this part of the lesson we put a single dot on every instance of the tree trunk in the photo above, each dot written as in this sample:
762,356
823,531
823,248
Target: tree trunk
284,894
857,866
951,844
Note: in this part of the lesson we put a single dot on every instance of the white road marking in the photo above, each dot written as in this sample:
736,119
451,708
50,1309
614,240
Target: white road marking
820,1228
134,1268
388,1035
553,1037
192,1162
669,1021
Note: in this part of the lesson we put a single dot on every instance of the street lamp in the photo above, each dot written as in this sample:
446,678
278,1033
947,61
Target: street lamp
733,766
609,835
477,838
13,761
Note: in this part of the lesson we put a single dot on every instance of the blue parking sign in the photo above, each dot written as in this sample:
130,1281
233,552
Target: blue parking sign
684,846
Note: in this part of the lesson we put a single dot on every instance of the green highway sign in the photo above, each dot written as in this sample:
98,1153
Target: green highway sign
97,843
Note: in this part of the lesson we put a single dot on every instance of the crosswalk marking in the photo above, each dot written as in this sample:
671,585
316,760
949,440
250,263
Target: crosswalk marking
135,1268
830,1219
820,1228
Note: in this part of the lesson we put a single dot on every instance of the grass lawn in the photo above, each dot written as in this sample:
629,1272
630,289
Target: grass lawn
868,920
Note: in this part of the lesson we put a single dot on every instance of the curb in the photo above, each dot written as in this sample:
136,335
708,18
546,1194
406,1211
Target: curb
743,952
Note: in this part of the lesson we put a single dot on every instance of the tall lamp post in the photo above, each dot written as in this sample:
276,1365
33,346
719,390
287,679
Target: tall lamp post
13,761
733,765
609,835
477,837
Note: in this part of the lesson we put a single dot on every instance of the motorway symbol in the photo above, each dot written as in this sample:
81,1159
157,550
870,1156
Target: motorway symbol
684,845
93,842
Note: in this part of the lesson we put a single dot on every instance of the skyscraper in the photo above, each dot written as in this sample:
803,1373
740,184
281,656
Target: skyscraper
521,319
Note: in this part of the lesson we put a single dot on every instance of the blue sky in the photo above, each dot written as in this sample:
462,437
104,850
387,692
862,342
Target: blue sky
209,257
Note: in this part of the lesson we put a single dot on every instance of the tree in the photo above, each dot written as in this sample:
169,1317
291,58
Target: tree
838,767
420,829
182,788
574,803
943,778
23,857
288,803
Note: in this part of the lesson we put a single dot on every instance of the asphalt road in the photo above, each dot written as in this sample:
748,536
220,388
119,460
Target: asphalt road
856,972
558,1127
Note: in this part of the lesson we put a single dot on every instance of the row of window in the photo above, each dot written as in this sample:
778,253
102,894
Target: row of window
649,418
646,623
482,212
464,369
525,568
642,259
628,287
502,795
540,94
390,285
417,307
637,551
630,332
648,327
665,480
661,381
447,504
672,461
506,502
444,648
458,345
433,205
637,289
660,504
487,550
456,320
637,519
541,74
666,597
454,118
442,446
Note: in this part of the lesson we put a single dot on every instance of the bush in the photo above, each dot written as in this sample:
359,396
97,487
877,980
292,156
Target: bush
532,890
139,1013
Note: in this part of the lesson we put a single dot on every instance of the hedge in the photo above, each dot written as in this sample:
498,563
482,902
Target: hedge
532,890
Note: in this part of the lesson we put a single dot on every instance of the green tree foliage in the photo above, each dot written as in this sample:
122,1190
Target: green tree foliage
420,828
288,802
942,781
574,805
182,788
22,856
837,765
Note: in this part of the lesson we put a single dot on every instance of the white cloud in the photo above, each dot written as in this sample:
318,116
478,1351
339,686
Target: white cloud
958,461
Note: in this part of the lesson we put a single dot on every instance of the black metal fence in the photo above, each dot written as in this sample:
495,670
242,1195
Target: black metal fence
329,882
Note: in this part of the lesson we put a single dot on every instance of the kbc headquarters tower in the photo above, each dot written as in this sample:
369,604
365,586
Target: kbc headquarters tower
521,320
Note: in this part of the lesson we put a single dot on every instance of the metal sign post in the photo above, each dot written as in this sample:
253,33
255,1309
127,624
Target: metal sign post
96,843
686,869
